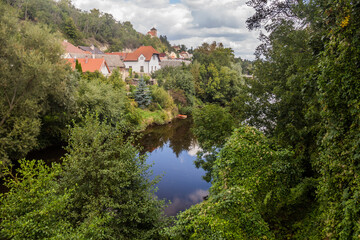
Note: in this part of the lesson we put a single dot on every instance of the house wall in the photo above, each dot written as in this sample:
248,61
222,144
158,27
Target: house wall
137,65
104,70
151,66
154,63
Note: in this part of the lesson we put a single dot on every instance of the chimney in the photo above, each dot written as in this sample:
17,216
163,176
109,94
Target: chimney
86,59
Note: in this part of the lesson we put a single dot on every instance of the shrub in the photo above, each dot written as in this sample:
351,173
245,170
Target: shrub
98,96
162,97
112,182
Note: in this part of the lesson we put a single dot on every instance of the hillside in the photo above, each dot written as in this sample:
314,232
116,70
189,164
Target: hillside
85,28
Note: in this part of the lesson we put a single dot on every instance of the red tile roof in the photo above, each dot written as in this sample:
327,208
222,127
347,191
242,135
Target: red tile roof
147,51
69,48
92,65
121,54
151,33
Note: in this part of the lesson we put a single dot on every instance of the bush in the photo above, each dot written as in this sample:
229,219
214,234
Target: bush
161,118
147,79
162,97
34,208
132,116
102,98
112,182
179,96
128,80
185,110
115,79
251,178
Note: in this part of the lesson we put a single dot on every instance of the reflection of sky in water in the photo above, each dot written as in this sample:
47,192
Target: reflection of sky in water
181,182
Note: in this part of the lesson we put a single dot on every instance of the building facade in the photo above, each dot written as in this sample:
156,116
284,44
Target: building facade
145,59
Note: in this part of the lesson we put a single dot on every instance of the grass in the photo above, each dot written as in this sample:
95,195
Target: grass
158,117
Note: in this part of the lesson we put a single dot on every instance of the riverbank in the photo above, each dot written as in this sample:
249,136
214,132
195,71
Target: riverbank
158,117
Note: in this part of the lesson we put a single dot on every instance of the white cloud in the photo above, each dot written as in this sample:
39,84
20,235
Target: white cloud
189,22
194,149
198,195
178,204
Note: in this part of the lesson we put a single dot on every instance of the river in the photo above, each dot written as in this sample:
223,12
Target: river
171,150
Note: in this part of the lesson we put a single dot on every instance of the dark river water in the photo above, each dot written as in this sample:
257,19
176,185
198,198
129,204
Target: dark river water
171,150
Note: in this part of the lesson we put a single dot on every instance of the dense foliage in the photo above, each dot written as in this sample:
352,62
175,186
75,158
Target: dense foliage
292,175
35,207
84,28
216,74
103,191
304,97
250,180
32,77
212,126
180,83
112,182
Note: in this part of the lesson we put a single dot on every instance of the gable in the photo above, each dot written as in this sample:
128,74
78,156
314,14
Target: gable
146,51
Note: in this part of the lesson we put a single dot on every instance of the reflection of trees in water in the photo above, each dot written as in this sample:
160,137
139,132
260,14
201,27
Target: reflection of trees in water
178,134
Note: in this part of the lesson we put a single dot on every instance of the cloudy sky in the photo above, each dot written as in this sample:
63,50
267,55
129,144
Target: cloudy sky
189,22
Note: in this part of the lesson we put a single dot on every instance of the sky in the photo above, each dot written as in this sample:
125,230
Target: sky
188,22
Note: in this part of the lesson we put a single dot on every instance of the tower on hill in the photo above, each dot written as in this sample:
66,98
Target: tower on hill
152,32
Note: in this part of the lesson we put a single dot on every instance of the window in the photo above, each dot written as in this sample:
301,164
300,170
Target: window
154,57
152,68
141,68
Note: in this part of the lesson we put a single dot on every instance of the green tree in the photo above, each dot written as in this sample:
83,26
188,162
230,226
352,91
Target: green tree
316,99
212,126
78,66
214,53
34,207
116,79
251,180
71,30
106,99
79,25
177,79
339,97
142,94
160,96
31,72
216,76
112,182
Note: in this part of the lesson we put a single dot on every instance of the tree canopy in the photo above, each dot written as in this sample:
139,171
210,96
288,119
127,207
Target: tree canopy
32,75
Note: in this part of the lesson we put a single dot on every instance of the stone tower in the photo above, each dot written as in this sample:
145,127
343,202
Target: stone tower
153,32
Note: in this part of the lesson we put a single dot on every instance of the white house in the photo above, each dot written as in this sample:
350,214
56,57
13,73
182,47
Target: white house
145,59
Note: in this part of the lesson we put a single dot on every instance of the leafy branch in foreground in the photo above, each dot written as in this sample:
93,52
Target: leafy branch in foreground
112,182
